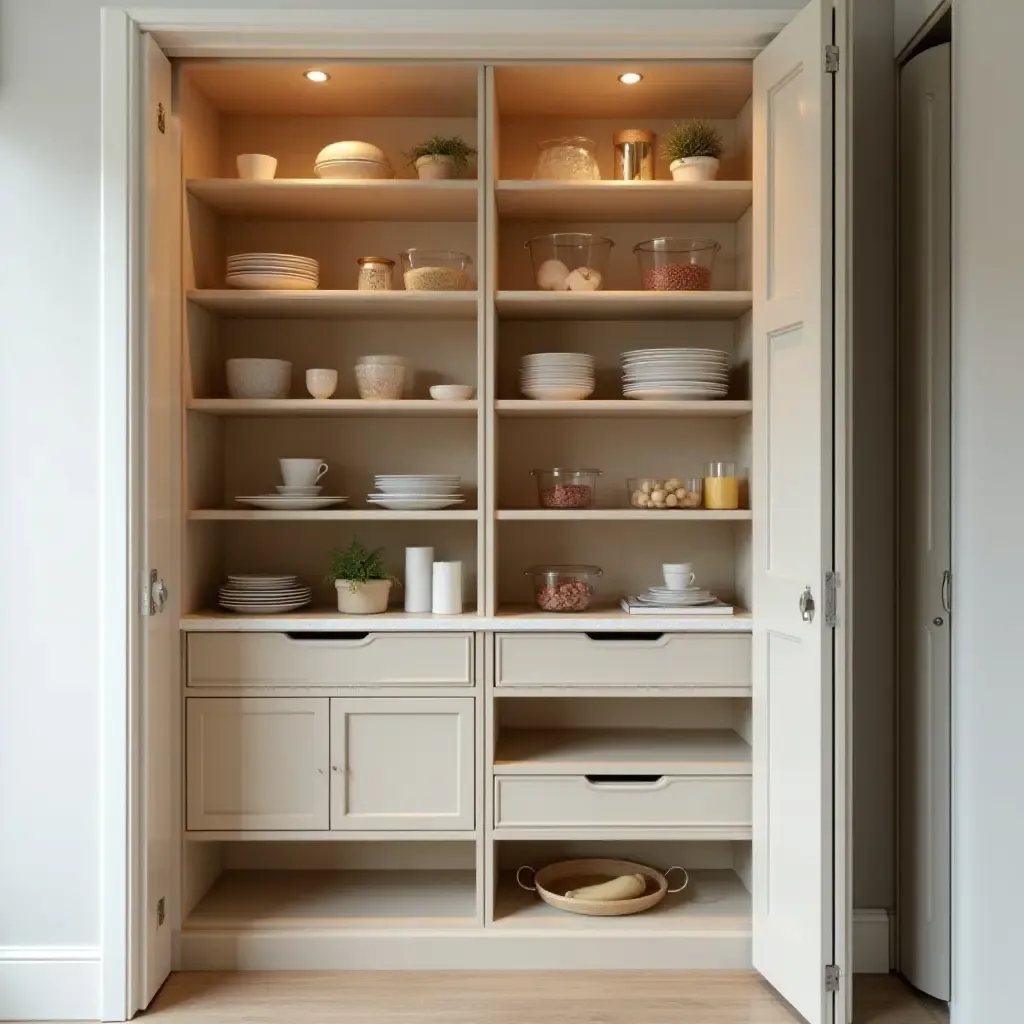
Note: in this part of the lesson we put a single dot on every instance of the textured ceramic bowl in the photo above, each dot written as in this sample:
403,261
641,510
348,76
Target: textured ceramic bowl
351,150
259,378
380,381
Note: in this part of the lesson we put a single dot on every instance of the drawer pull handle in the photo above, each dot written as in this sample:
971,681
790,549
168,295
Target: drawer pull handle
631,781
314,637
633,638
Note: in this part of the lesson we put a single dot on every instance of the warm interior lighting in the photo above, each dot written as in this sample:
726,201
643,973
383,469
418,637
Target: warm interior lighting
317,76
630,78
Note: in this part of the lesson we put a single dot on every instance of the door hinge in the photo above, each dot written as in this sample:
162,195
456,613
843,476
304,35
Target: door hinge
831,59
161,119
161,911
831,583
832,976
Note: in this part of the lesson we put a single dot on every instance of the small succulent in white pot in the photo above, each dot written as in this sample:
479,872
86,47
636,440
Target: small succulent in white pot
692,149
359,576
442,157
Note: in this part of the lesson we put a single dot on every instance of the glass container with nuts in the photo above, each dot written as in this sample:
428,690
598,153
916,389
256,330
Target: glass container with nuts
656,493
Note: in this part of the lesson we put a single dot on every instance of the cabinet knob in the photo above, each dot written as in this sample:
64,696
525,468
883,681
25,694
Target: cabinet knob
335,768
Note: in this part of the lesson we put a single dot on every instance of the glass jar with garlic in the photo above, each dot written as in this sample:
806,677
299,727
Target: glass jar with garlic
654,493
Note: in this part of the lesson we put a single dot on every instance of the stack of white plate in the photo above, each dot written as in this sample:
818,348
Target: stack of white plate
557,376
675,373
273,270
264,594
423,493
663,597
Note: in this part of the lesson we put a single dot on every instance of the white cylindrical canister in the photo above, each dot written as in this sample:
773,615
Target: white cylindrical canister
447,588
419,579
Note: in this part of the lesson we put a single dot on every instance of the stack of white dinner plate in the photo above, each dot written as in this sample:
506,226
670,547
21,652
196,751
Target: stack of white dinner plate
557,376
675,373
264,594
273,270
423,493
663,597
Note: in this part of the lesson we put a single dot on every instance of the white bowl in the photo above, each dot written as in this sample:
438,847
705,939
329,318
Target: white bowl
452,392
558,394
354,170
259,378
351,150
256,166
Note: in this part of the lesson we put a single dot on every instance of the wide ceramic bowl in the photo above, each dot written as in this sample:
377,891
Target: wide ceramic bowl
259,378
351,150
354,170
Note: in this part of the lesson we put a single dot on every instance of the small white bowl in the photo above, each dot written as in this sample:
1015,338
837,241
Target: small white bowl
321,383
452,392
256,166
259,378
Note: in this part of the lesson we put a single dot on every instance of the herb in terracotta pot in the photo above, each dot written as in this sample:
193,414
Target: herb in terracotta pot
693,149
441,157
359,576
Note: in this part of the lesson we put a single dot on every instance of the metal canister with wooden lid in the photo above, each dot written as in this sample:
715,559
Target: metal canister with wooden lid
634,155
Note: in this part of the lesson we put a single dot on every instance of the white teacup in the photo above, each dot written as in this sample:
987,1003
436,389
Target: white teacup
321,383
256,166
302,472
678,576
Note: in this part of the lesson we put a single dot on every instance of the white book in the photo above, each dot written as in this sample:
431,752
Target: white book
635,607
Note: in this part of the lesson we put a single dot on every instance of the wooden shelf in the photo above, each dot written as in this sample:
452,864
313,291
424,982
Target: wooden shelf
316,619
598,618
714,902
344,304
624,201
255,900
613,515
610,751
331,514
638,305
329,407
624,407
318,199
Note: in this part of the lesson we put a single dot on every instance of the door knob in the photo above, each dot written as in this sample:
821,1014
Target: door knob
807,605
938,620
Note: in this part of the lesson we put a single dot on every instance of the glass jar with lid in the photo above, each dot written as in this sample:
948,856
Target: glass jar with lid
375,274
573,158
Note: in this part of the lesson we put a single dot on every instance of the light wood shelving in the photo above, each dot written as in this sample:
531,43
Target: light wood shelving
620,515
641,751
331,515
625,408
625,305
318,199
624,201
342,303
330,407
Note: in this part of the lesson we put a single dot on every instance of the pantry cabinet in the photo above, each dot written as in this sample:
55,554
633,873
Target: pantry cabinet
402,764
257,763
424,759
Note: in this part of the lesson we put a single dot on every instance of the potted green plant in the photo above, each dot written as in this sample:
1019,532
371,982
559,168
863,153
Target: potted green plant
441,157
359,576
692,149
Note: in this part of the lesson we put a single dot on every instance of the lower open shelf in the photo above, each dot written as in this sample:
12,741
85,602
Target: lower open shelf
715,902
252,900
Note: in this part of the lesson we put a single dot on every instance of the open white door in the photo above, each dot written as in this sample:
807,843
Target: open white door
160,449
793,844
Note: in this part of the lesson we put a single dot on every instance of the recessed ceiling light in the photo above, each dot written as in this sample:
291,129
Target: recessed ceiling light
631,78
317,76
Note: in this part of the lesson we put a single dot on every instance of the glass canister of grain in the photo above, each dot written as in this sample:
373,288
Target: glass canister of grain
721,486
375,274
634,154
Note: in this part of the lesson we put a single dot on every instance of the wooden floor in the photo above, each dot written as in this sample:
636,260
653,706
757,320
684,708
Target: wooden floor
510,997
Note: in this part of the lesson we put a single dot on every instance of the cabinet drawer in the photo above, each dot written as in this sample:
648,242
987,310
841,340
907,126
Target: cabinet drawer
257,763
616,659
320,659
672,801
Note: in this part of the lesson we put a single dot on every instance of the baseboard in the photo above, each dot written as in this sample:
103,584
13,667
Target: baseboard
872,942
50,982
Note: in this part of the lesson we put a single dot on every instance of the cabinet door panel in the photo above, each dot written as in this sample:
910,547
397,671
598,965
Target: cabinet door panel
257,763
401,764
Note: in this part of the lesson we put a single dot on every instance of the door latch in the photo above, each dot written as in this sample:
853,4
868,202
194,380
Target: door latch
807,605
154,594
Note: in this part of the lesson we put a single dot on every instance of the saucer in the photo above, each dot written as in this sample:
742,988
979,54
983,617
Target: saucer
298,492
